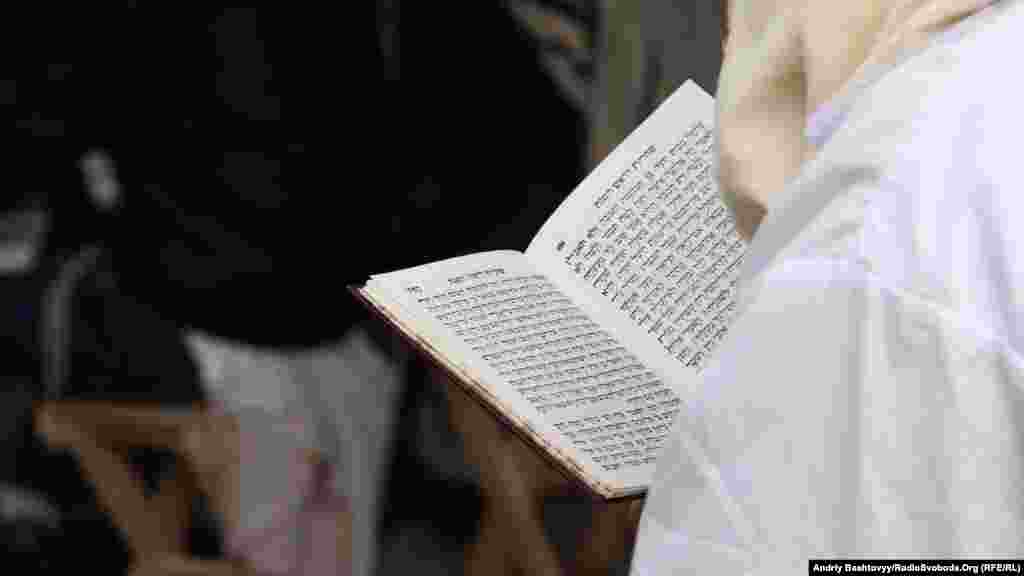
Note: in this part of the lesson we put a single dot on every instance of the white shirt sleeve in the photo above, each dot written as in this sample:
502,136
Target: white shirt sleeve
844,418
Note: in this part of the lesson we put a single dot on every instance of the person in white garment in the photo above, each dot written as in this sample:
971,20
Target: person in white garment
869,399
291,462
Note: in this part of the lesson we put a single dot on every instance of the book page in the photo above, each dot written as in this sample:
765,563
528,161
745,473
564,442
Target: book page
648,240
544,358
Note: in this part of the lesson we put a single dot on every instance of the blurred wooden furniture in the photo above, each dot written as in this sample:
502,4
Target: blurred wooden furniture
515,481
156,525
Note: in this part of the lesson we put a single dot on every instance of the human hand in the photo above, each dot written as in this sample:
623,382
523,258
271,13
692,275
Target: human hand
504,461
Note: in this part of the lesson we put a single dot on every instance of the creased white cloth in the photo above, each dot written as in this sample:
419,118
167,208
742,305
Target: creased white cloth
340,399
782,60
869,400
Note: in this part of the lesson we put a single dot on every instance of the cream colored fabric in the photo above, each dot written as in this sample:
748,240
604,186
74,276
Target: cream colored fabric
910,23
783,59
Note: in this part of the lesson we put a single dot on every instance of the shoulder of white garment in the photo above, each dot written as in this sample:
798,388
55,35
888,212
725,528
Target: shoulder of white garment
914,188
904,142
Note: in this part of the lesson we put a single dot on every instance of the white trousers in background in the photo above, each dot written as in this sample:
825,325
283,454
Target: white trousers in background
349,391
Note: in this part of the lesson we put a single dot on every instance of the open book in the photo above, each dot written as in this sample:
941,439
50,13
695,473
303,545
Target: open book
588,342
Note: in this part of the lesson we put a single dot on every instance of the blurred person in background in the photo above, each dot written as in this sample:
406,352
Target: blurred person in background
264,160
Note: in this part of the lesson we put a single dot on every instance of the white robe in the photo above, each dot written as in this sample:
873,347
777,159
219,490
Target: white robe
869,400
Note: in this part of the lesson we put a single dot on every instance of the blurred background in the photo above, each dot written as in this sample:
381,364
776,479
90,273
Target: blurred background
227,173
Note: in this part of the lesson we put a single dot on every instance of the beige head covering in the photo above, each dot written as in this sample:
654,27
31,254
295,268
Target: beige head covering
783,59
909,23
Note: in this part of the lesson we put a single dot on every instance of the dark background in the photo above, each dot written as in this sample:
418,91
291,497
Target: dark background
270,157
290,149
